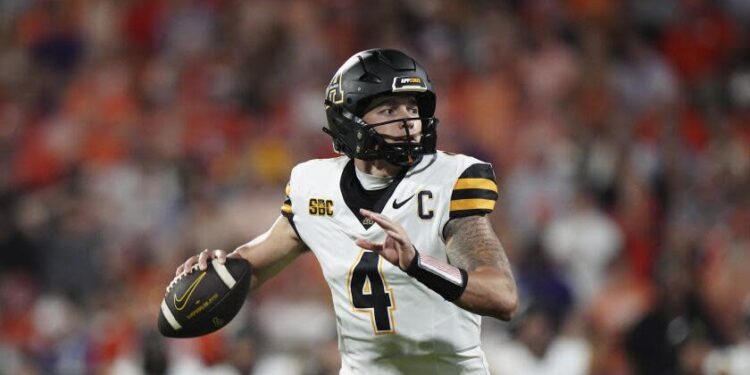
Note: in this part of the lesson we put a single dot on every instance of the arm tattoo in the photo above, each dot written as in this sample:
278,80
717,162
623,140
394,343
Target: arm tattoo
472,243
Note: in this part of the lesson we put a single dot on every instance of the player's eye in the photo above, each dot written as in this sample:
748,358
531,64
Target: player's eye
413,110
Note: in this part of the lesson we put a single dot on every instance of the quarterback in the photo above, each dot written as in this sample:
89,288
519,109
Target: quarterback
399,228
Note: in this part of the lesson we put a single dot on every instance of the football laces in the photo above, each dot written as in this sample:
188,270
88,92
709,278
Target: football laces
180,277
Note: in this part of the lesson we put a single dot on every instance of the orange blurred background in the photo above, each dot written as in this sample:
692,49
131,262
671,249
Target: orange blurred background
135,133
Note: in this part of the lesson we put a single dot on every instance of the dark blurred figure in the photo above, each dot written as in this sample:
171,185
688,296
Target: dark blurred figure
17,251
674,337
243,350
155,360
55,49
540,280
537,330
72,256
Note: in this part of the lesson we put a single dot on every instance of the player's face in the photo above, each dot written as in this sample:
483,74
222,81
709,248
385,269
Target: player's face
391,108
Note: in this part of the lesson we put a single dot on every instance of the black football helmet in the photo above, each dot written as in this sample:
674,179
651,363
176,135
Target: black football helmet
365,76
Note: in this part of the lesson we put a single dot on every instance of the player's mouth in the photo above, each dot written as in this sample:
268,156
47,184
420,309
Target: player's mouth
412,138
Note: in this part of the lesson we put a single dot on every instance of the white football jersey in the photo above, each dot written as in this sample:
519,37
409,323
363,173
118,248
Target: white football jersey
388,322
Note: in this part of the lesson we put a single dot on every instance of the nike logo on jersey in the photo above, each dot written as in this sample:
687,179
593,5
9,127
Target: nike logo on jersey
397,205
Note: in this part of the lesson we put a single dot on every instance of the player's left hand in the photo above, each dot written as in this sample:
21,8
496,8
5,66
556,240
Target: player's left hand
397,248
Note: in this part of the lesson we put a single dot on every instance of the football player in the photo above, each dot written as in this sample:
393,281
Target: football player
399,228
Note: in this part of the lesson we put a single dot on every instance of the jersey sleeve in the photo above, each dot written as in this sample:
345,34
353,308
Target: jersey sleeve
286,207
475,192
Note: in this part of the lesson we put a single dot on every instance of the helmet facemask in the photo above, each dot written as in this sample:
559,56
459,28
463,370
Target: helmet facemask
367,144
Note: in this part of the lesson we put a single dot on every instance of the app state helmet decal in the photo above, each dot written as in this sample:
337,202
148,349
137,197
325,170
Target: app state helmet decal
335,91
408,84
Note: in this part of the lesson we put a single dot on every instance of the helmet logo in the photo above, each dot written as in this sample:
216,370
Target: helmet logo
335,92
409,84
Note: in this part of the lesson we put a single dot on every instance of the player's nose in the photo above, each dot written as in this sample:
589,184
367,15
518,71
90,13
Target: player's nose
412,125
408,124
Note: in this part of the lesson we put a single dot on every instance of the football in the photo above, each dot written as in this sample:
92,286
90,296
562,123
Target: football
201,302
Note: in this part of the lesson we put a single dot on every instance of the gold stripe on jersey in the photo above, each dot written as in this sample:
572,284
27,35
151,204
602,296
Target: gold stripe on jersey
475,183
472,204
474,192
286,208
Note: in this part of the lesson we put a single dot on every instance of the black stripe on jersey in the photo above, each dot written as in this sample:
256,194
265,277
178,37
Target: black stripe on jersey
474,193
286,207
479,170
466,213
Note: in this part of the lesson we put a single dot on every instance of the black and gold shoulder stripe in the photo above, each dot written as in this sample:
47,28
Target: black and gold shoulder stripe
475,192
286,211
286,207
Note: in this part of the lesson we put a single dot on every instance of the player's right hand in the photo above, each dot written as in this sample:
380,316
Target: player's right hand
202,260
397,248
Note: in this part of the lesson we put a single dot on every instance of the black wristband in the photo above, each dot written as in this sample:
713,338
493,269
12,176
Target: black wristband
446,280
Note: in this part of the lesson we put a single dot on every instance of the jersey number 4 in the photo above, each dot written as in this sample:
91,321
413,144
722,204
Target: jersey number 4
370,293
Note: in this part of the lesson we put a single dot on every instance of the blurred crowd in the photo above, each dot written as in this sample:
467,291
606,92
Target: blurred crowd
135,133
